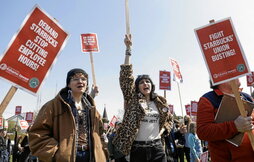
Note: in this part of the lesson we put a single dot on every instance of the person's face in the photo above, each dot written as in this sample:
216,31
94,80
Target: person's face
78,83
5,133
145,87
183,129
228,87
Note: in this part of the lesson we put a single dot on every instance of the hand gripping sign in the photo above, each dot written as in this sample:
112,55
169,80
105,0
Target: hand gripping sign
224,57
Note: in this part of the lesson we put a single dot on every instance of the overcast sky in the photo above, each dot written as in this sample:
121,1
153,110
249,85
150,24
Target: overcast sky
160,29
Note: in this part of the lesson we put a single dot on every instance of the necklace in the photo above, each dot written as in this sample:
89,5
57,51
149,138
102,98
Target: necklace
149,106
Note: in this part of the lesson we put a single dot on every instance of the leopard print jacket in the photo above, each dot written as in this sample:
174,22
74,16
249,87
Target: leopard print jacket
134,112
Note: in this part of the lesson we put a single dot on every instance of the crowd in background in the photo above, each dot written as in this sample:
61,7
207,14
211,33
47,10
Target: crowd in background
181,144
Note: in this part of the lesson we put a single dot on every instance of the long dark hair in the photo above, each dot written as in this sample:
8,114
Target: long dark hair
137,81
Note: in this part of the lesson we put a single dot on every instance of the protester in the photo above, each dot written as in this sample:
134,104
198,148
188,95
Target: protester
113,152
194,143
15,148
187,121
170,146
24,150
69,128
180,139
146,114
4,146
217,133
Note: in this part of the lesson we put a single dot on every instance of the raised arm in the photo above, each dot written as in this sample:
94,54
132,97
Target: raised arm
126,74
128,44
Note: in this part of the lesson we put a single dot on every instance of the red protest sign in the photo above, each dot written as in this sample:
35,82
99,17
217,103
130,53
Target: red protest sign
194,108
222,51
176,69
165,82
171,109
250,79
89,42
18,110
113,121
188,109
33,50
29,117
23,124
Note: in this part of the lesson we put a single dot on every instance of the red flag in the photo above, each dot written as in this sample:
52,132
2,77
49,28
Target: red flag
176,69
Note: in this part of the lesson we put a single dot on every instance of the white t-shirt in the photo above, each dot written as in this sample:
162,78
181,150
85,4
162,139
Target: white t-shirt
149,126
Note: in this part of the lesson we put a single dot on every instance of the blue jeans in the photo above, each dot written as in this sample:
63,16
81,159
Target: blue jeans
153,152
83,156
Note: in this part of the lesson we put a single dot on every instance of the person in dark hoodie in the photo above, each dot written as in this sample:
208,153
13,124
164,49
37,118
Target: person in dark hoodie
146,116
69,128
114,154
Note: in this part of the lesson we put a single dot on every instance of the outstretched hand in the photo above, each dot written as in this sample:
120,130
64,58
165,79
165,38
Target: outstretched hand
127,41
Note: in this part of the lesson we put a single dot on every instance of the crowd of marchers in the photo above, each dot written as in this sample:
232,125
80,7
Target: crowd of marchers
69,128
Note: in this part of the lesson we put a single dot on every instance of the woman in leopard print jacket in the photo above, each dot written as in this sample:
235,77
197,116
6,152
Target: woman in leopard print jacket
146,116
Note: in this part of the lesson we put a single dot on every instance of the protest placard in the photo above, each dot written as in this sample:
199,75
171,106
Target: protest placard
171,109
32,51
188,109
18,110
224,57
165,81
29,117
194,108
222,51
250,79
89,42
23,124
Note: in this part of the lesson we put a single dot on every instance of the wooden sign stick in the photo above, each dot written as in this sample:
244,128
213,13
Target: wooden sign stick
241,108
92,67
127,17
7,99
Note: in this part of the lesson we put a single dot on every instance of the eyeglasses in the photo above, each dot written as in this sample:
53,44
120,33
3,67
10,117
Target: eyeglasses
83,79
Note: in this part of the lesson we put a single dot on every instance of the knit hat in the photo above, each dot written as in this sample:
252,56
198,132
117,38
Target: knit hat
145,76
72,72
